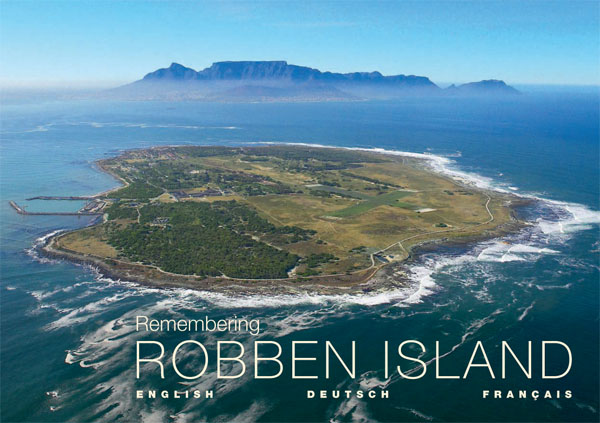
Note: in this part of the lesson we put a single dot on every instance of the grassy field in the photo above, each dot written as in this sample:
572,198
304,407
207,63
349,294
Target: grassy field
343,192
389,199
88,241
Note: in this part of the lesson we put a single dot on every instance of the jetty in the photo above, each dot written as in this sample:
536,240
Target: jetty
46,197
21,210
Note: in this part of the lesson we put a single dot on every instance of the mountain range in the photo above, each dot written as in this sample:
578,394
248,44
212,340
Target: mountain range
280,81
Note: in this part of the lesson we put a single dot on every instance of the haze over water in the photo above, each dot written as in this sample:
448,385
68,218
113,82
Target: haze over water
68,340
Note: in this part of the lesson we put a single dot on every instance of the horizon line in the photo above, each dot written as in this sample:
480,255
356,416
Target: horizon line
99,84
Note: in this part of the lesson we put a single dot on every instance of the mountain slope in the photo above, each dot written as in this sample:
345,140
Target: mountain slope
279,71
280,81
486,87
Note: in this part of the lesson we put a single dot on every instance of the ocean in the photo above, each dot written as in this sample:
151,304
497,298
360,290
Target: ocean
67,333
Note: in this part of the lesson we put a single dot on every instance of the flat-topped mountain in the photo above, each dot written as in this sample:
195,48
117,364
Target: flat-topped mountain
280,71
280,81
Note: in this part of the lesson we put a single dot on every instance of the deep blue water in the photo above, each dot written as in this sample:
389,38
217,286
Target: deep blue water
69,331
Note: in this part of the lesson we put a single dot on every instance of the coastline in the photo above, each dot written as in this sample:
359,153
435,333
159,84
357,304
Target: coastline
360,281
100,165
375,278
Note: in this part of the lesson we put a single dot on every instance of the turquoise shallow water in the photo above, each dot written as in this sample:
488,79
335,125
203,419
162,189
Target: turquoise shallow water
68,344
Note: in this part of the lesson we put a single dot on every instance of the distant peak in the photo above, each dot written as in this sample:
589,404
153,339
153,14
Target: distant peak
492,82
486,86
174,72
253,62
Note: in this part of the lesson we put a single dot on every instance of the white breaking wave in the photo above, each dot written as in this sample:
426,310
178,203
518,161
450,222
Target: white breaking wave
407,295
502,251
526,311
44,238
575,217
33,251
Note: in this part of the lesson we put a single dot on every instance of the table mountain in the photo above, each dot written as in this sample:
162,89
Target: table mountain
280,81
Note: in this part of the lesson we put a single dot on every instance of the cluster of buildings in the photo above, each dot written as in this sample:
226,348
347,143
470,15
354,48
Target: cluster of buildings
210,192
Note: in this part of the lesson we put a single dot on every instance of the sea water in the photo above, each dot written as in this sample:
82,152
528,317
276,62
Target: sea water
68,335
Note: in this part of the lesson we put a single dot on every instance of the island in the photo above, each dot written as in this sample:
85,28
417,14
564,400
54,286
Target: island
276,217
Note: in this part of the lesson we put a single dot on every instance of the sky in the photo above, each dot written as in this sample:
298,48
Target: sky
104,43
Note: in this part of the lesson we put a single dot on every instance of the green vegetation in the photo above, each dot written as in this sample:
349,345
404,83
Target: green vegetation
328,191
206,240
372,180
319,156
390,199
138,190
121,211
315,260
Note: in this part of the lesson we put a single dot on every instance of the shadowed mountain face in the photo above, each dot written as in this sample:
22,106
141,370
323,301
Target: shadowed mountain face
280,81
487,87
281,71
175,72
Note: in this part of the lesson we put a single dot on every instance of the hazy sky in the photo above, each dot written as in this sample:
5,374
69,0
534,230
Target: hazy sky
108,42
